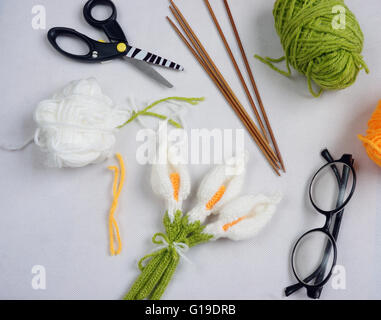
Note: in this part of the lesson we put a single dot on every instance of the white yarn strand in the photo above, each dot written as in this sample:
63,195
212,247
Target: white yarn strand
16,147
180,247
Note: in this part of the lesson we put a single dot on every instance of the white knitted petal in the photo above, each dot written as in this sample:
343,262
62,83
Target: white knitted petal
214,229
198,213
160,181
211,183
230,176
258,211
185,182
233,189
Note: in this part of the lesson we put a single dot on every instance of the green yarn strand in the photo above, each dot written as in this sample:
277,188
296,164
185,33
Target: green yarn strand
270,62
146,112
329,57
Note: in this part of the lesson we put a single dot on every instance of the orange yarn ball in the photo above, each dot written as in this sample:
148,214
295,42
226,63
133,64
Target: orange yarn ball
372,141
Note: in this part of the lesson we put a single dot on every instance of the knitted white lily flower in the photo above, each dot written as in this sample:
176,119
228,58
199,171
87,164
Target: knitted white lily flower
170,179
238,219
243,217
219,186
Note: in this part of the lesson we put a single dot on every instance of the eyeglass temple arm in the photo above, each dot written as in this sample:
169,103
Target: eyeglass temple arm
319,272
327,156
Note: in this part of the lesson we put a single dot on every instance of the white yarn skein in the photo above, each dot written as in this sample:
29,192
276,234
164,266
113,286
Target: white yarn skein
77,126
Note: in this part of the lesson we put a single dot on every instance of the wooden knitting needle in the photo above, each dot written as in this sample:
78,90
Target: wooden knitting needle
254,85
203,53
218,83
234,61
192,36
237,105
217,77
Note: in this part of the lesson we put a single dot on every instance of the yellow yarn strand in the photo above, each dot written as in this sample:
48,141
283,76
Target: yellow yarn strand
119,177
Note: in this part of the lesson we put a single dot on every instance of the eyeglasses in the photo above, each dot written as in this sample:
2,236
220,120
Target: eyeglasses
314,254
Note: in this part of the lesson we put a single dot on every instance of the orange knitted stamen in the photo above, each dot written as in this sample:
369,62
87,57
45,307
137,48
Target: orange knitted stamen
175,179
217,197
227,226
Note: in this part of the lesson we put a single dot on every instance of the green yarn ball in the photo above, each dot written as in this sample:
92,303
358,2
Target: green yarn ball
330,57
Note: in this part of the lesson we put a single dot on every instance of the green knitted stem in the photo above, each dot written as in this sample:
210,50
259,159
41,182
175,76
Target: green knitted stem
165,279
144,277
155,276
158,272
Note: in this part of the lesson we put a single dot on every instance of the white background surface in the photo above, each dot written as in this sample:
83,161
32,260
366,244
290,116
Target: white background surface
57,218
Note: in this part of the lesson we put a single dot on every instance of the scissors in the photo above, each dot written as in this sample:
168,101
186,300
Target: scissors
118,47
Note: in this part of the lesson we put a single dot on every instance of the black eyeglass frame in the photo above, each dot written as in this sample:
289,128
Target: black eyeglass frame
314,290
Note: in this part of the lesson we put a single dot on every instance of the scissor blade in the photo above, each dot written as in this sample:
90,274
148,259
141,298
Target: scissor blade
139,54
148,70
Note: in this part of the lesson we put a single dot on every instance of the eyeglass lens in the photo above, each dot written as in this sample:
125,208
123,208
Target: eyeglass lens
313,258
332,186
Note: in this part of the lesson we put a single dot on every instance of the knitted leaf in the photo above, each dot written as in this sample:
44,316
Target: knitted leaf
172,229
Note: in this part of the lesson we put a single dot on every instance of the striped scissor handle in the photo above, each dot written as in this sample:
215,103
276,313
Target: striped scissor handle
139,54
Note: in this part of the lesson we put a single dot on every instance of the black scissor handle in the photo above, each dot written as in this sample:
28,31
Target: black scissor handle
110,26
98,51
